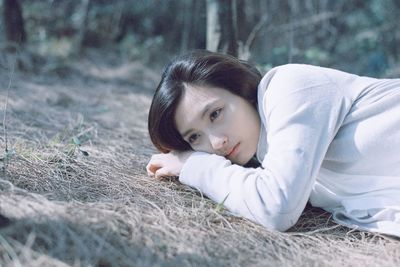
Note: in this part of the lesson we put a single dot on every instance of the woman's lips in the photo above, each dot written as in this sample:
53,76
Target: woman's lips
233,151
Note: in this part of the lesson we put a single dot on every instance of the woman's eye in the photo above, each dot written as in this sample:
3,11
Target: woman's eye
215,114
193,138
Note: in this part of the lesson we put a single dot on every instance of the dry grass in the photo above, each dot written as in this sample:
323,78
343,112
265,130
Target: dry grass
68,209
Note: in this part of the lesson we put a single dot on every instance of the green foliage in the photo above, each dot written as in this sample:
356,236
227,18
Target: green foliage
132,48
317,56
57,47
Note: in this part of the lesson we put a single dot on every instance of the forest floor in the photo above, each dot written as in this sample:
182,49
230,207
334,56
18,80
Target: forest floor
74,190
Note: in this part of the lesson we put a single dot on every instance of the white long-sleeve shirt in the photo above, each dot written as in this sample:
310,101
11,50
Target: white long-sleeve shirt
328,137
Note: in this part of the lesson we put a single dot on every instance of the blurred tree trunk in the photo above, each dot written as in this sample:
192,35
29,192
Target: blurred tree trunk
13,22
292,20
187,19
198,32
242,30
222,26
84,11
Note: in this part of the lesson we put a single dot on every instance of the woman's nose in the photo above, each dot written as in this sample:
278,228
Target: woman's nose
218,142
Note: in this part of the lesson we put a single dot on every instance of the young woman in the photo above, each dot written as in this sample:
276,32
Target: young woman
321,135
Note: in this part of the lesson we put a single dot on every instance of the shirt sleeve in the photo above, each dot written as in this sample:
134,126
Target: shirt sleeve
303,110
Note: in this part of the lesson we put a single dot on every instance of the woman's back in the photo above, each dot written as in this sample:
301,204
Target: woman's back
359,175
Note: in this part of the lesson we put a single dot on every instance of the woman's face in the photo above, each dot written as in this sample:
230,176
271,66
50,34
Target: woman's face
217,121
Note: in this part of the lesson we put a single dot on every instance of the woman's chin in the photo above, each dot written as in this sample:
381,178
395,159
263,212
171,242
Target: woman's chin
241,160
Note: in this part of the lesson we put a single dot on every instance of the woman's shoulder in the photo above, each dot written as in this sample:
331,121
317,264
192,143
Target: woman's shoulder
303,74
301,68
298,81
299,74
289,77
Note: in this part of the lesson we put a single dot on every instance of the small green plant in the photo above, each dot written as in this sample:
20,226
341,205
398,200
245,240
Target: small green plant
8,154
77,142
70,140
220,206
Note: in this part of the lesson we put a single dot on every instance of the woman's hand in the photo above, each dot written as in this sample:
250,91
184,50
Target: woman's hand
169,164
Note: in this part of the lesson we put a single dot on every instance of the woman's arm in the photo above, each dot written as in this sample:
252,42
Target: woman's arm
301,121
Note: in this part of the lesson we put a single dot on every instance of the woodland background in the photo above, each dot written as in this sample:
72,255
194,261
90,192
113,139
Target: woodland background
361,36
76,82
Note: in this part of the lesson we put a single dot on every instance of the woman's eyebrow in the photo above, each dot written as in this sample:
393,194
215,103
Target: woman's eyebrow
206,108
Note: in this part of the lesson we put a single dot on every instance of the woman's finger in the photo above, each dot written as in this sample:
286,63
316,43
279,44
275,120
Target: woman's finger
152,167
162,172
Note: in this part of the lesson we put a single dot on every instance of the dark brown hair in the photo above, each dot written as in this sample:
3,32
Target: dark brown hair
199,68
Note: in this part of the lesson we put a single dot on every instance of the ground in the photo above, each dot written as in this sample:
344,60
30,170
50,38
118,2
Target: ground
74,190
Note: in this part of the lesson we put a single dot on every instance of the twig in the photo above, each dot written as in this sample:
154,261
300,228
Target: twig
255,30
307,22
5,117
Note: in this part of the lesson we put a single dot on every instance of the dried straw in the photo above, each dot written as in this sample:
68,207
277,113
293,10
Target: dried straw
68,209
